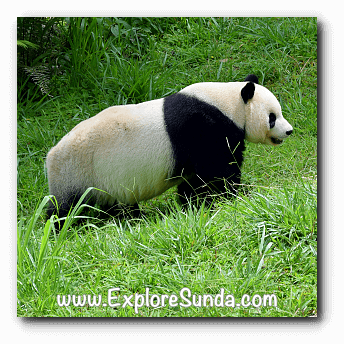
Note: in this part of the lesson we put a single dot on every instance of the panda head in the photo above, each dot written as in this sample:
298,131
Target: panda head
264,122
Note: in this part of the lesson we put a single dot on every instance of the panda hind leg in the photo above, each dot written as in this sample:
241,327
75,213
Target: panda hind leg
62,206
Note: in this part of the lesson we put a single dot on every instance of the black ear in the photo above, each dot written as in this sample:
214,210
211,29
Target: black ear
247,92
253,78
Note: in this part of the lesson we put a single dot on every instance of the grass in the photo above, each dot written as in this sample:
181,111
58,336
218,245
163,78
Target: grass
263,242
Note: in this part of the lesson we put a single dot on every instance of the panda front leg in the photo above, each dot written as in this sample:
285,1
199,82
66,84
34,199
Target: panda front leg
226,187
198,189
191,190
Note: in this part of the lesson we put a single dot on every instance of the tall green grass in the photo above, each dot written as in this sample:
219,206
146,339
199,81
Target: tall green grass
260,244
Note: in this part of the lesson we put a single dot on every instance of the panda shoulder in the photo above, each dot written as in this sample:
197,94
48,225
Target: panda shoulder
195,95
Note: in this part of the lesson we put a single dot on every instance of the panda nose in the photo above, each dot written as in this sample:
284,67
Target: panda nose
289,132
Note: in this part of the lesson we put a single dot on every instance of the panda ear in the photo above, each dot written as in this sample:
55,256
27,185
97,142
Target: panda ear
247,92
253,78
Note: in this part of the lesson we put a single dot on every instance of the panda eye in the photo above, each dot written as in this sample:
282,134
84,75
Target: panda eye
272,120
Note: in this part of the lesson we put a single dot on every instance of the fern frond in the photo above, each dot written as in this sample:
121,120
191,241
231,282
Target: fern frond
26,44
41,76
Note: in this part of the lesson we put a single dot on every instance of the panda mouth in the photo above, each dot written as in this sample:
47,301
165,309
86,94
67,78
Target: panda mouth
276,141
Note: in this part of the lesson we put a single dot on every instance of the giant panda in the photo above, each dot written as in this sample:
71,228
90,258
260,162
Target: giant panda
193,139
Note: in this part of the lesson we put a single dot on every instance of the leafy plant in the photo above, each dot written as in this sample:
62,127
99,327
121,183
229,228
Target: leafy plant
26,44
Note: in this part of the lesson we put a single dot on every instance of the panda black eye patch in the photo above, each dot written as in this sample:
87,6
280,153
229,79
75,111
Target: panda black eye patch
272,120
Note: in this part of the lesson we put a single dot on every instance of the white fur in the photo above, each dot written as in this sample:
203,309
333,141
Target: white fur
124,150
